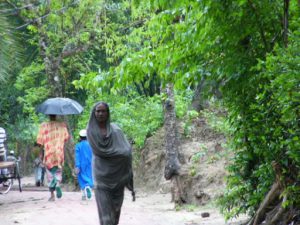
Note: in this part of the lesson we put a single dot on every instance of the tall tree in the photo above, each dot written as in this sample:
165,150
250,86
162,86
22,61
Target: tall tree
172,165
62,32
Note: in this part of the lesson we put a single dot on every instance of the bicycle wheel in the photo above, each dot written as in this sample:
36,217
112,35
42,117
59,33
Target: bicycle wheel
6,185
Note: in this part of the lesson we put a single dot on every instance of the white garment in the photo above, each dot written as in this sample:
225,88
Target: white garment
2,149
2,137
2,140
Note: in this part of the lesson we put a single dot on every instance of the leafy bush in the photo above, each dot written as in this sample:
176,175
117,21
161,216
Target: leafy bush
216,117
267,133
138,116
182,102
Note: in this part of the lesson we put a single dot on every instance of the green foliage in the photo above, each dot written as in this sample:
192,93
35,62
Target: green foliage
140,117
270,134
66,41
192,170
195,159
221,42
10,49
187,207
29,82
30,76
216,118
67,175
188,118
182,102
131,49
21,135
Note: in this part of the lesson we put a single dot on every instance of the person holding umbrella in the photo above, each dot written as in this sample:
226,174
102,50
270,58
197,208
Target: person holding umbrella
52,136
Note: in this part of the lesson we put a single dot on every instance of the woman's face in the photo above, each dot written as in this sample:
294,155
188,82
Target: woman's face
101,113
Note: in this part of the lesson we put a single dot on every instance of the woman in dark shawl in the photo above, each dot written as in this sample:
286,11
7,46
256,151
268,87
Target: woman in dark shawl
112,163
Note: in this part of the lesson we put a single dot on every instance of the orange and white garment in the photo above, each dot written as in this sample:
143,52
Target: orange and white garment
53,135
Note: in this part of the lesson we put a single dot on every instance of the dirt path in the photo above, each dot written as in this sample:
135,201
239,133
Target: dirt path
32,208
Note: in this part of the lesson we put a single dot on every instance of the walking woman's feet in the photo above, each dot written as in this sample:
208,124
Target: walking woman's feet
52,197
88,191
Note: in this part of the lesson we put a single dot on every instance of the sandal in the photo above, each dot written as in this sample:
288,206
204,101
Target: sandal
88,192
58,192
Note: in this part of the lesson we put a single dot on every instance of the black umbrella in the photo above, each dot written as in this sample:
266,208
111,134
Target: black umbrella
60,106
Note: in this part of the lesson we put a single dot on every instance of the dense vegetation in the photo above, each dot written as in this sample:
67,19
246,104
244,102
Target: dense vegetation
244,52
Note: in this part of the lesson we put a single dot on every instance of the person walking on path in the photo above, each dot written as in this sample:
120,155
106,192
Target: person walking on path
83,165
38,169
52,136
3,149
112,163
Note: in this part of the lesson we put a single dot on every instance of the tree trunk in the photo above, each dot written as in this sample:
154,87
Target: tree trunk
53,74
52,65
197,101
172,166
260,214
271,210
70,153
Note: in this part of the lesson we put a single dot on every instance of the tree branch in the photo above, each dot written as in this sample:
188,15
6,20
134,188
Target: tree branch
73,51
260,26
31,7
14,9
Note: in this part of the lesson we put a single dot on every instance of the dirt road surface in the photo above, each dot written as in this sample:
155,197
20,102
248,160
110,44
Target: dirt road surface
31,207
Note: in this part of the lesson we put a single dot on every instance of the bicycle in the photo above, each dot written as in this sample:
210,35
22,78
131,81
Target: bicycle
12,173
